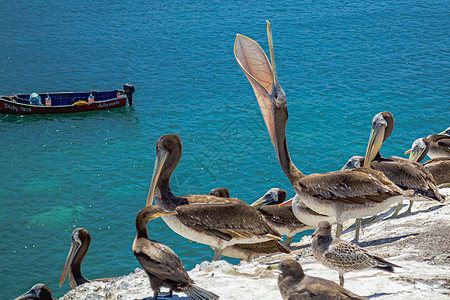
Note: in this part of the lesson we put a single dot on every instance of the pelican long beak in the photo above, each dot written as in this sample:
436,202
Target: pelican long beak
415,153
72,251
286,202
446,131
345,167
375,141
161,156
315,233
272,54
256,66
264,200
31,294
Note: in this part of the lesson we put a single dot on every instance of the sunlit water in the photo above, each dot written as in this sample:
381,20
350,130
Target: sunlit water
339,63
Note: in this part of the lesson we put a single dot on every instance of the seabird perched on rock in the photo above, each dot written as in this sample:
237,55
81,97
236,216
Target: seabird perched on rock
346,194
343,256
406,174
162,266
81,239
38,292
214,221
435,145
294,284
439,167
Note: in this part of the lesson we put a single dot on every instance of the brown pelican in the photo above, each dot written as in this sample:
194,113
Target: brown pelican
215,221
343,256
281,218
249,251
294,284
162,266
439,167
406,174
343,194
436,145
39,292
81,239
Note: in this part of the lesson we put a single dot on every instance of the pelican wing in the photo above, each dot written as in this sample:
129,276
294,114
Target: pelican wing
351,186
282,215
256,66
160,261
444,143
225,220
405,173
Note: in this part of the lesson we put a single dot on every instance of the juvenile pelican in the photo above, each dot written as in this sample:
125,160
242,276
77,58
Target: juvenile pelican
344,194
439,167
81,239
436,145
294,284
162,266
38,292
343,256
215,221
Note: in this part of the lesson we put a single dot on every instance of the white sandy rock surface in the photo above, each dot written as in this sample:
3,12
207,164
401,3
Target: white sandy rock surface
418,243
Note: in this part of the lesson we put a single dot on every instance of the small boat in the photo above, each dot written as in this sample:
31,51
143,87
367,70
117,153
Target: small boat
62,103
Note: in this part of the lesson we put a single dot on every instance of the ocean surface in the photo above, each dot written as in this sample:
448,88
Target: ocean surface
339,62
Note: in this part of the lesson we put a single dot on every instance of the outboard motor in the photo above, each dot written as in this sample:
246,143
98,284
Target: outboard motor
129,90
35,99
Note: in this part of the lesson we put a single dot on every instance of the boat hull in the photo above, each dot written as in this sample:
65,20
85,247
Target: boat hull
62,103
9,107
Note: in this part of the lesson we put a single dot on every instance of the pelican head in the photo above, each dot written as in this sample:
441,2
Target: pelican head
354,162
80,237
168,154
273,196
382,127
38,291
417,151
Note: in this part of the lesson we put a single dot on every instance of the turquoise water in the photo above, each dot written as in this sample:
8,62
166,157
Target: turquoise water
339,63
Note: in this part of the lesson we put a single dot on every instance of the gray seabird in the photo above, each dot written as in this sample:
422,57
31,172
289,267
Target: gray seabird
343,256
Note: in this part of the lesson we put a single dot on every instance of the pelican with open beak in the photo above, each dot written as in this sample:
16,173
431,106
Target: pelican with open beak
341,194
